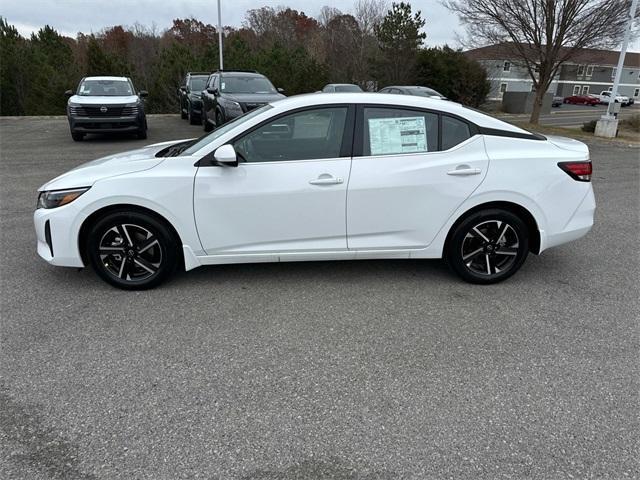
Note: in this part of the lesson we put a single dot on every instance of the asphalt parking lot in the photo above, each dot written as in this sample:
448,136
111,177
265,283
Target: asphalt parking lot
361,370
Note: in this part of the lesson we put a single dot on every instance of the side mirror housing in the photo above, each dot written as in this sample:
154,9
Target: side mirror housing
183,88
280,90
226,156
143,93
69,93
212,91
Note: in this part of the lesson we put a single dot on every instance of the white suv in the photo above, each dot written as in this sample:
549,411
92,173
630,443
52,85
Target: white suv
605,97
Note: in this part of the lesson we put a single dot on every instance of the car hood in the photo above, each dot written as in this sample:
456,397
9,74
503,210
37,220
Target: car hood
568,144
103,100
254,97
88,173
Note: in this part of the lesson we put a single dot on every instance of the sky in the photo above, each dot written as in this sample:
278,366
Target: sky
72,16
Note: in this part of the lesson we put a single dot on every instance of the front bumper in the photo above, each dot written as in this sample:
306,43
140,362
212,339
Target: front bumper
56,236
106,125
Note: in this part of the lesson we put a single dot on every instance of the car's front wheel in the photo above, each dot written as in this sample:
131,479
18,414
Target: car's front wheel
206,125
77,136
132,250
488,246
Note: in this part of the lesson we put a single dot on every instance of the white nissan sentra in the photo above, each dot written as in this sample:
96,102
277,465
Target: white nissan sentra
323,177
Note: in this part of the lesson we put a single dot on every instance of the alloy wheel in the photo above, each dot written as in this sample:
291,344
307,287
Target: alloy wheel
490,248
130,252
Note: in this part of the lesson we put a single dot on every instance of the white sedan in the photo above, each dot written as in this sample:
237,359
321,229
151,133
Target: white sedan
323,177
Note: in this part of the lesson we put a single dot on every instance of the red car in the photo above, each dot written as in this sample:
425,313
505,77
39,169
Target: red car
582,100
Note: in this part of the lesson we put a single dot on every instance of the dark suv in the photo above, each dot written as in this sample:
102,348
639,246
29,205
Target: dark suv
106,105
229,94
189,95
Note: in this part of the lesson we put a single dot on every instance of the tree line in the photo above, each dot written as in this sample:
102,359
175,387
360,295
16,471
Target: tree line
373,46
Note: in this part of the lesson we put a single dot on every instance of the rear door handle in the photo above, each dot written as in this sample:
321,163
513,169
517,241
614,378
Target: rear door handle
326,179
464,171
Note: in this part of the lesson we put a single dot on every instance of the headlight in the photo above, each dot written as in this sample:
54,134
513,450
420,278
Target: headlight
232,108
57,198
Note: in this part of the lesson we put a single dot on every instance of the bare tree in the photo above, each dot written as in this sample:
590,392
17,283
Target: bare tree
541,35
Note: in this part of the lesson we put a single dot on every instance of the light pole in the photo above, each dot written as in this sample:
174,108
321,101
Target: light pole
220,36
607,126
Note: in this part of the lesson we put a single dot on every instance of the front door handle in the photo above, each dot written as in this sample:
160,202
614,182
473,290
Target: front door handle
464,170
326,179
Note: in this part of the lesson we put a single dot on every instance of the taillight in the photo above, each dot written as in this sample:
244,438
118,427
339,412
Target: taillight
580,171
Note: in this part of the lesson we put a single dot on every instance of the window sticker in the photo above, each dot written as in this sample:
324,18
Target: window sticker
397,135
82,88
223,84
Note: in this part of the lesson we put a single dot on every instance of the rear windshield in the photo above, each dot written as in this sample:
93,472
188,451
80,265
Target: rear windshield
348,88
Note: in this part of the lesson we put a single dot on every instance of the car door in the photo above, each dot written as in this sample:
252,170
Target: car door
411,170
288,192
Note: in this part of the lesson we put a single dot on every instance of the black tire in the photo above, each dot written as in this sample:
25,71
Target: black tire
477,260
205,123
77,136
183,114
193,119
132,250
219,119
142,131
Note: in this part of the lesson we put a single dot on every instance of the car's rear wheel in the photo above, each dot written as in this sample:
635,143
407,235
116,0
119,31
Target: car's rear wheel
77,136
132,250
488,246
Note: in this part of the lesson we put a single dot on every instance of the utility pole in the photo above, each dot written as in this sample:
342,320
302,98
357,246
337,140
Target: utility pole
607,126
220,36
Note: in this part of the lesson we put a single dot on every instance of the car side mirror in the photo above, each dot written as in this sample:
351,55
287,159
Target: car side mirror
183,88
212,91
280,90
226,156
143,93
69,93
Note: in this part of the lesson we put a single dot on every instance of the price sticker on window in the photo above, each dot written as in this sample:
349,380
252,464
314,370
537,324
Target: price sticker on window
397,135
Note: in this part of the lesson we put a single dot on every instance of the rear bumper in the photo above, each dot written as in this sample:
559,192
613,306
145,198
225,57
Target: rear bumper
578,225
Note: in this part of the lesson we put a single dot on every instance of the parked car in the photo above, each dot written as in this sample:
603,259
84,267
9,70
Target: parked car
190,96
341,88
324,177
229,94
605,98
557,101
582,100
414,90
106,105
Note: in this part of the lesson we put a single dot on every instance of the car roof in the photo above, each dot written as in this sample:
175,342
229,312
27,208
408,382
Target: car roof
341,85
240,73
198,74
387,99
106,78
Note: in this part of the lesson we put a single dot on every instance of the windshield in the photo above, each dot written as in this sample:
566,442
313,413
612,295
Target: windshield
424,92
105,88
348,88
246,84
218,132
197,83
